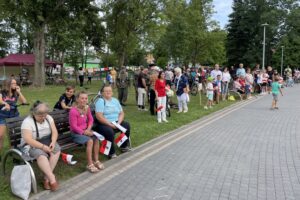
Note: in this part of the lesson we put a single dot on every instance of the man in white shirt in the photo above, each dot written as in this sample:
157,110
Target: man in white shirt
169,76
214,73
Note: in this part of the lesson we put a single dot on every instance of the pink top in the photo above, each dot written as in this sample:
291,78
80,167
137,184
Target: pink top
79,122
160,87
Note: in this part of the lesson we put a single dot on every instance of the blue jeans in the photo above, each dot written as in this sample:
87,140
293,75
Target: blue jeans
224,87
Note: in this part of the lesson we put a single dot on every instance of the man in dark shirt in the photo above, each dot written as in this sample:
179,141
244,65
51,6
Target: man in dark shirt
142,89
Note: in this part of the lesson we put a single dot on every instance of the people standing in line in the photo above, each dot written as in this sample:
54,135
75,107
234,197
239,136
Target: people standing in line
217,88
209,93
214,73
9,97
161,97
241,70
264,85
249,83
109,79
113,74
225,83
66,100
122,85
238,87
40,134
81,123
153,75
81,76
169,76
232,71
142,89
89,75
181,85
202,77
255,73
135,84
276,88
270,78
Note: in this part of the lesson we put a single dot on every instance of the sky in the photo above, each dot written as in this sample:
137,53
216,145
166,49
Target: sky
222,9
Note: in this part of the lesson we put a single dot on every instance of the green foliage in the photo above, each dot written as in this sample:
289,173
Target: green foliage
245,31
186,37
127,25
290,41
69,26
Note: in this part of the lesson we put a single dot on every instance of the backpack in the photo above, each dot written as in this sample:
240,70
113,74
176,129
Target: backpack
92,106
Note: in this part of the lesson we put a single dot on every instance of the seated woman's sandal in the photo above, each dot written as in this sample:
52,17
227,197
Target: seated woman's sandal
99,165
92,168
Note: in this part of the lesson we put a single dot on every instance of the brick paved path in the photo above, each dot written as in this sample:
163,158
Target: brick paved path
245,152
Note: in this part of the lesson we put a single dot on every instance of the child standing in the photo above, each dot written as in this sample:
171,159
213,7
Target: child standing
276,88
217,88
209,93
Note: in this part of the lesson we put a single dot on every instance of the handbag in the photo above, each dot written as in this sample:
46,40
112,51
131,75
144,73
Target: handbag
20,181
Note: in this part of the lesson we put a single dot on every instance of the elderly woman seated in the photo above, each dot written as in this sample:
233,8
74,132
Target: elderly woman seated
108,110
40,134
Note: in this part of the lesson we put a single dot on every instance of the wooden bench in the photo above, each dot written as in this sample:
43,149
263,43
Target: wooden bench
61,119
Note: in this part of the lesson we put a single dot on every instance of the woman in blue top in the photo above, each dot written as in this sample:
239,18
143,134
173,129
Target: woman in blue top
108,110
9,96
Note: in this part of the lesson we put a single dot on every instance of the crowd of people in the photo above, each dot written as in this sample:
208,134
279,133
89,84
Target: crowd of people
152,85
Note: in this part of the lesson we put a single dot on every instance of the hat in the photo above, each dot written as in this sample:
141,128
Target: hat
210,78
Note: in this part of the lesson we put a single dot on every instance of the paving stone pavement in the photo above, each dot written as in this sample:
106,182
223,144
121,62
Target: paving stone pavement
245,152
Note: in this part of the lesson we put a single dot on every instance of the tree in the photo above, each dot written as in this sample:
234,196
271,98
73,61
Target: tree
245,31
127,25
39,14
290,41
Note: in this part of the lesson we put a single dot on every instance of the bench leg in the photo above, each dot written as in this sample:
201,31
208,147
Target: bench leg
19,154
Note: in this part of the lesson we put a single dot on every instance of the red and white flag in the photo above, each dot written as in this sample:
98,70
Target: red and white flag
105,147
121,139
67,158
159,108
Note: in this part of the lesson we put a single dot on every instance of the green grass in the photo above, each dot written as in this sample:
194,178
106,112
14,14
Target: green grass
144,128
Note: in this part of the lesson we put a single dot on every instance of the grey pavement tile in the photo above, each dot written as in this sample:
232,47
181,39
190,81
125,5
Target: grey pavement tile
251,153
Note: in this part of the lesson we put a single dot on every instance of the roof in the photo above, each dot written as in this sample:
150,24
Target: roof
22,60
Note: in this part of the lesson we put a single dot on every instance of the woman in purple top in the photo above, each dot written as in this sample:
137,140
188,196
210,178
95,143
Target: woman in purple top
81,122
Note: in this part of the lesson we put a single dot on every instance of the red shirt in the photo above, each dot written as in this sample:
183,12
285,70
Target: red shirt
242,82
160,88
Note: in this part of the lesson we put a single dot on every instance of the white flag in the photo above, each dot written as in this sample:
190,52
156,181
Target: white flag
99,136
121,128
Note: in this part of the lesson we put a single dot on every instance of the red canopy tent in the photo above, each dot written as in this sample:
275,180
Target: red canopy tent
20,60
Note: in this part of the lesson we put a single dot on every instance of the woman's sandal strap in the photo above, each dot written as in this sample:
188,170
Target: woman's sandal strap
92,168
99,165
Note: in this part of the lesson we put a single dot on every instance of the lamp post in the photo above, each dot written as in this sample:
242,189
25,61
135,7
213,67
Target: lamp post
281,60
264,46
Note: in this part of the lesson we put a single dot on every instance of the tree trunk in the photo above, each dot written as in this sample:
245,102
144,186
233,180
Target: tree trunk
62,69
121,60
39,53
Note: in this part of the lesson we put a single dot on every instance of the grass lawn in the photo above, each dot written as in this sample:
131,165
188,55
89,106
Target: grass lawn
144,128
